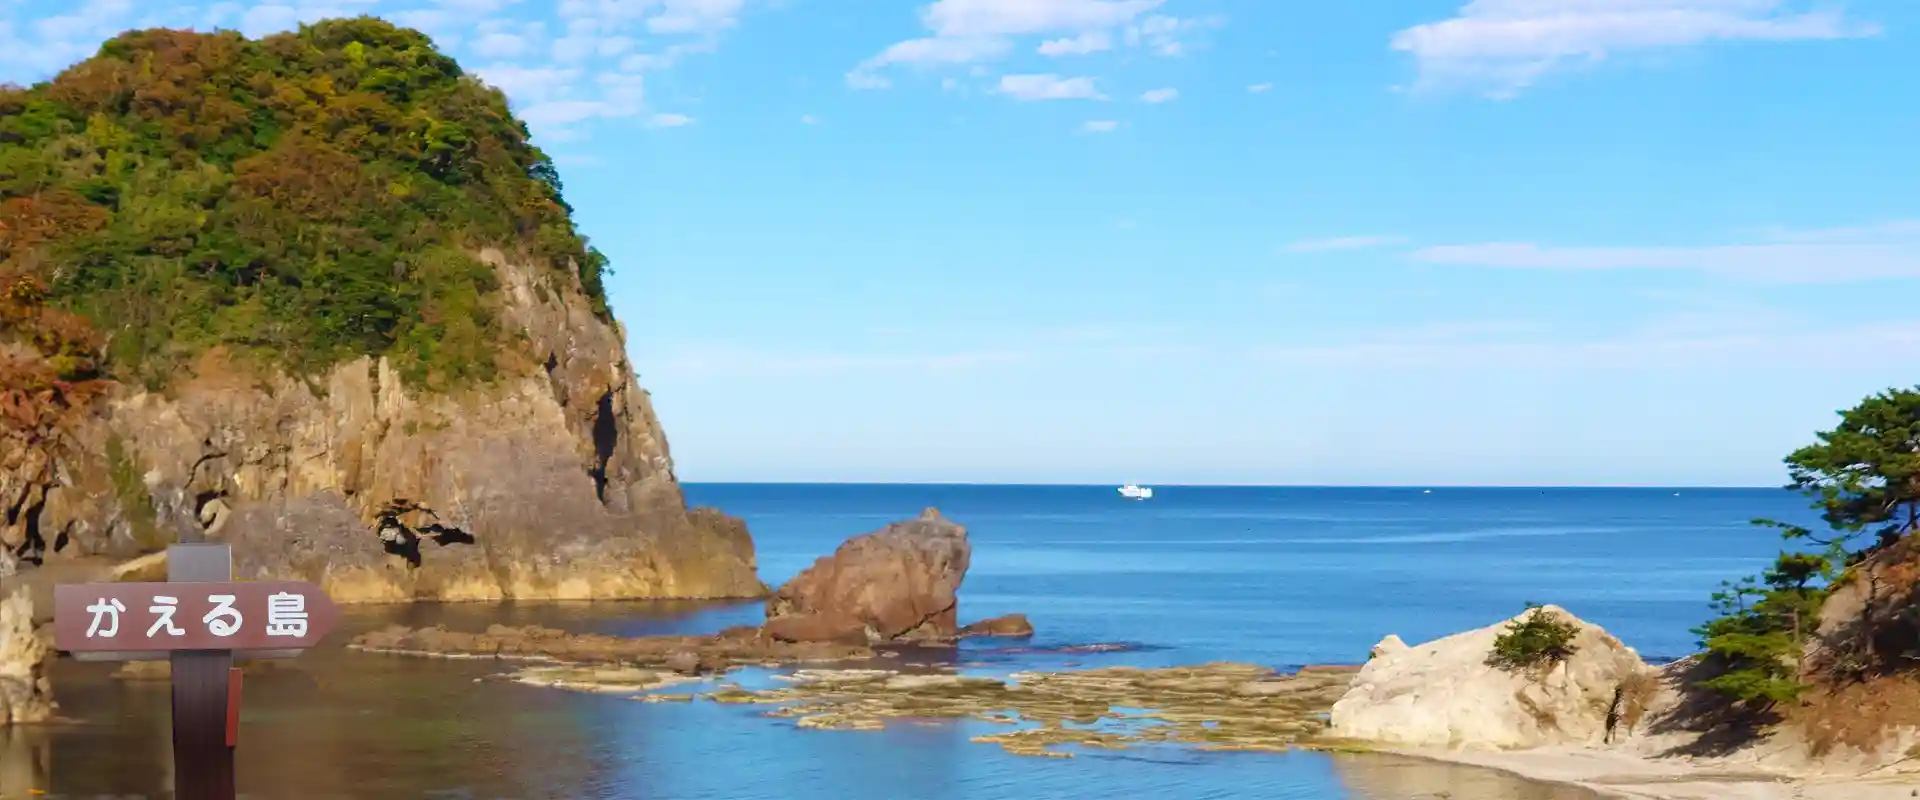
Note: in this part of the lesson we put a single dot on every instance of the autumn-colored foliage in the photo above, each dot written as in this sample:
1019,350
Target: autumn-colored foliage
300,199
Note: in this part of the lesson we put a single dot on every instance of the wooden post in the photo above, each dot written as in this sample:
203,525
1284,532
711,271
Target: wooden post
202,758
201,621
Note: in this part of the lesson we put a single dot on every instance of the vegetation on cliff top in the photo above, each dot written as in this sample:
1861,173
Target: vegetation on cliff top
301,199
1864,479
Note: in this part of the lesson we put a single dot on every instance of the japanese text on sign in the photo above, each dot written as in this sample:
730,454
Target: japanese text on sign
151,617
286,616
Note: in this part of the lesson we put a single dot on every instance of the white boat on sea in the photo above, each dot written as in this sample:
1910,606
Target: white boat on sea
1134,491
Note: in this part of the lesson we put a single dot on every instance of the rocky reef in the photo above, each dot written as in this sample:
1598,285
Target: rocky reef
1222,706
682,654
552,482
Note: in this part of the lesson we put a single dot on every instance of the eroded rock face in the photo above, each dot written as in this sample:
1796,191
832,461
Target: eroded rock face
25,695
899,583
1444,694
554,482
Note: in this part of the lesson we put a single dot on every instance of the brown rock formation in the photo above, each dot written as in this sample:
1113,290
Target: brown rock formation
1011,626
896,584
554,481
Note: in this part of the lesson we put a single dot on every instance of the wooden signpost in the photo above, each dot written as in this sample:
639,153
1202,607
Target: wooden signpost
201,621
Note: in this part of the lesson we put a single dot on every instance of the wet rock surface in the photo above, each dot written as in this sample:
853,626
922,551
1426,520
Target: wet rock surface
1220,706
680,654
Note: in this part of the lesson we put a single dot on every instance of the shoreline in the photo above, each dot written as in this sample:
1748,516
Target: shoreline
1628,776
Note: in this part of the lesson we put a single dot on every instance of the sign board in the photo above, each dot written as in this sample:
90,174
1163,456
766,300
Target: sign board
125,620
199,620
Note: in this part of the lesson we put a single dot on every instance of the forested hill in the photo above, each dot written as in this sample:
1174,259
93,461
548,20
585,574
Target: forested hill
300,199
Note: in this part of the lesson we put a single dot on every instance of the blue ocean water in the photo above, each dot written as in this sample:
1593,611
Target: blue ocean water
1275,576
1289,576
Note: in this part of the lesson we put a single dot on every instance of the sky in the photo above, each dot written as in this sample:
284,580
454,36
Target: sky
1410,242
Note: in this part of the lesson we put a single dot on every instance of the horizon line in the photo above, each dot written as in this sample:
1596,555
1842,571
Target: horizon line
1071,484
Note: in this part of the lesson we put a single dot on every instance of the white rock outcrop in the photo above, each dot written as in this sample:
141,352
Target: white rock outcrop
1444,694
24,693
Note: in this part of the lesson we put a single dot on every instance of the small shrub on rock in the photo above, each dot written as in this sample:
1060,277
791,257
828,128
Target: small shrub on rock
1537,640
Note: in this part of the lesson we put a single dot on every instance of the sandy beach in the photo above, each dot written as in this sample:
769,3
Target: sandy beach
1624,774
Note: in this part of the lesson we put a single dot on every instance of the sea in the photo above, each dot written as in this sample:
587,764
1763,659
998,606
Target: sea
1282,577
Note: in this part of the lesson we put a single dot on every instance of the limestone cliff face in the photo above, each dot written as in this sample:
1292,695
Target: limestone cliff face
553,482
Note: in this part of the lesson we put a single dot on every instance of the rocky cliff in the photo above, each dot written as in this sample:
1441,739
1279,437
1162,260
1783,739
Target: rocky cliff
555,481
318,295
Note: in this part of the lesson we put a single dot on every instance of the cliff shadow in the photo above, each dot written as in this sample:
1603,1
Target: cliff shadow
606,437
1716,726
401,539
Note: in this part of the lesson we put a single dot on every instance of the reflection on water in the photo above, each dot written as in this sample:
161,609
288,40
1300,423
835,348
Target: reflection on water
341,724
1394,778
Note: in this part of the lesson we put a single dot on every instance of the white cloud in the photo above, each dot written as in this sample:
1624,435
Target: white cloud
1503,46
1165,35
695,16
1159,95
474,7
969,31
1260,87
669,121
1089,42
39,47
1342,243
1016,17
501,45
528,84
1658,344
1048,86
1890,250
586,69
1100,126
556,114
938,50
925,52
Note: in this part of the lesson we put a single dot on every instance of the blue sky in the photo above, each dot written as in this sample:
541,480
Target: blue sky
1209,241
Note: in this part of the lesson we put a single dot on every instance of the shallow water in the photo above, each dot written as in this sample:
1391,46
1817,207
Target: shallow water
1273,576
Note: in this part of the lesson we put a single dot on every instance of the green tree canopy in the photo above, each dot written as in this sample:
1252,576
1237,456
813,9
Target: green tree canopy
1864,475
304,198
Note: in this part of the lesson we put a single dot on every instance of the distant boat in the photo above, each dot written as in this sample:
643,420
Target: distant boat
1133,491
